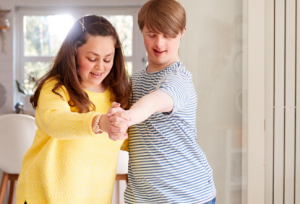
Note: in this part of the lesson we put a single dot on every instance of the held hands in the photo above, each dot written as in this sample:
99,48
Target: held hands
115,122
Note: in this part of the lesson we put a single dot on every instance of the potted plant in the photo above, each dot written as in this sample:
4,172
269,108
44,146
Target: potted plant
26,93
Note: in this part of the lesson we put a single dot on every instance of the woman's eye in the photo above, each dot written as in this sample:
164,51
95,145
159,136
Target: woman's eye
92,60
107,61
166,36
151,36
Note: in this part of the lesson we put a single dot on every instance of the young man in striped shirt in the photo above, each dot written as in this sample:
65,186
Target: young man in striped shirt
166,165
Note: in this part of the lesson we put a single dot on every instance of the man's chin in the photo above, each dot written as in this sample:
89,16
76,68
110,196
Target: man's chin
160,61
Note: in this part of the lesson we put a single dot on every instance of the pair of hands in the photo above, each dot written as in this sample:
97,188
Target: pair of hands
116,122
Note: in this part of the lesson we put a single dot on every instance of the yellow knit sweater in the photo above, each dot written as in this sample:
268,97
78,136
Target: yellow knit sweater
67,163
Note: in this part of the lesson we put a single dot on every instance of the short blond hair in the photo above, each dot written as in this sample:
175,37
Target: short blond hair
162,16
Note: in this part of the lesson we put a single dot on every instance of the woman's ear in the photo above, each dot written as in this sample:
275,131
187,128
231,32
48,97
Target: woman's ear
76,45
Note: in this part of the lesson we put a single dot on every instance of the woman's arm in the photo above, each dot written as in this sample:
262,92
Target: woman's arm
56,119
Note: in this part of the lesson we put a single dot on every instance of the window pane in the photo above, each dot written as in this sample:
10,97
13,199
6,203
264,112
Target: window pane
128,67
123,25
43,35
33,72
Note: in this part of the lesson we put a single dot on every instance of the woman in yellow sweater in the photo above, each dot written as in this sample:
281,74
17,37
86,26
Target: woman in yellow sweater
71,161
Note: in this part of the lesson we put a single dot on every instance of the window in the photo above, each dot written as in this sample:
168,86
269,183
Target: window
42,38
41,33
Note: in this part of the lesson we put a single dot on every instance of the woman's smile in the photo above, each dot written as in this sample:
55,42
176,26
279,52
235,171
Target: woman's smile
96,75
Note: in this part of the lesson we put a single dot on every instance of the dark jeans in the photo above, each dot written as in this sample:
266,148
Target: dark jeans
213,201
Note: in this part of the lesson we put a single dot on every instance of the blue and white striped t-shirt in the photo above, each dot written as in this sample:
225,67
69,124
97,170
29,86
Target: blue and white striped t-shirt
166,165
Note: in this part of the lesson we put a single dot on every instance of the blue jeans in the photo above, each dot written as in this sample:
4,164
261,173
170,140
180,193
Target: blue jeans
213,201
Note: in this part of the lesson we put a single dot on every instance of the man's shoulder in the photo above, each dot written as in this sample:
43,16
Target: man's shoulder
182,70
178,71
138,73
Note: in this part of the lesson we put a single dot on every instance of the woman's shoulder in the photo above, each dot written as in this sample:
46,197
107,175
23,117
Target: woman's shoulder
51,83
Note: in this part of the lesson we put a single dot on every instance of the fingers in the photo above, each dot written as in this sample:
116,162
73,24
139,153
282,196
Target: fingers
123,115
119,125
112,111
117,131
118,122
118,119
115,105
117,136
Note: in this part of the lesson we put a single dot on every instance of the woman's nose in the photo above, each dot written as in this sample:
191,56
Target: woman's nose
100,66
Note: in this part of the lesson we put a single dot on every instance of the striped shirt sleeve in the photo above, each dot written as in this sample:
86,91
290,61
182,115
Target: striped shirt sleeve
178,86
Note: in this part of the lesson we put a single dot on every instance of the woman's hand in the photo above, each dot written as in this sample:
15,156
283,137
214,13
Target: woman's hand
115,125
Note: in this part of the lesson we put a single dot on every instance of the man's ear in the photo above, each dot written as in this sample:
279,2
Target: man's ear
183,32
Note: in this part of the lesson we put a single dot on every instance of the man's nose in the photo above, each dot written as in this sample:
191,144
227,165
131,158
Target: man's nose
159,41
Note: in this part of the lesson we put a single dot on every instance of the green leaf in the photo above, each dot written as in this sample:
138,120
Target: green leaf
23,91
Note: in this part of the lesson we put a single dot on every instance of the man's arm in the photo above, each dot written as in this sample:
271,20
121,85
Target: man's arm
173,94
154,102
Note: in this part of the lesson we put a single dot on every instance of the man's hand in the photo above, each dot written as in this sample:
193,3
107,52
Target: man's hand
116,124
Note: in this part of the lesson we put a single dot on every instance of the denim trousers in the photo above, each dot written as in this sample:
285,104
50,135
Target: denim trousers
213,201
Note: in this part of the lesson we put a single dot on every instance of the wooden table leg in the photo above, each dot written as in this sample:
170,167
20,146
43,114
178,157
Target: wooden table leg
11,192
3,186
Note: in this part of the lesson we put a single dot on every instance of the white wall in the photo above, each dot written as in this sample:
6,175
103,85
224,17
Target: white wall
7,62
213,49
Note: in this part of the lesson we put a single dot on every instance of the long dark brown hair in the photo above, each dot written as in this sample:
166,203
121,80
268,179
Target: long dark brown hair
64,67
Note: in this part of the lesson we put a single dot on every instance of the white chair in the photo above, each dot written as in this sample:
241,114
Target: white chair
122,167
16,136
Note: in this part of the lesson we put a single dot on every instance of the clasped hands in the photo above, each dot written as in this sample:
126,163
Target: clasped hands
116,122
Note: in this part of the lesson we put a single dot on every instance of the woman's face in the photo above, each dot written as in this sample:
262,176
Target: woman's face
94,60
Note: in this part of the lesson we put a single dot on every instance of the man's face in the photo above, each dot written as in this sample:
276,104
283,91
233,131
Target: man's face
162,49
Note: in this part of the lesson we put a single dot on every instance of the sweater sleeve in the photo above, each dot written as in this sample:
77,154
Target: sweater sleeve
54,115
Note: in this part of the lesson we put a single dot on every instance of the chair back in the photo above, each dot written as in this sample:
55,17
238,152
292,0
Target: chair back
16,136
122,167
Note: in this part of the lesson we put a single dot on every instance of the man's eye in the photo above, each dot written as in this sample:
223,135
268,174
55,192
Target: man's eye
151,36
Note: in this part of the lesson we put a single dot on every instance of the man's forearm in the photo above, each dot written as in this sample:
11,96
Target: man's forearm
148,105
